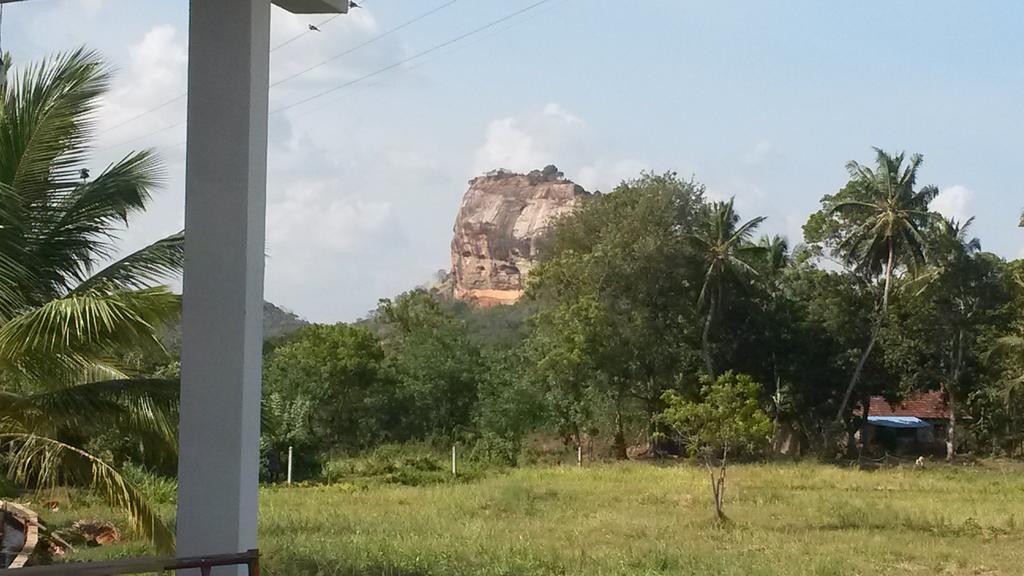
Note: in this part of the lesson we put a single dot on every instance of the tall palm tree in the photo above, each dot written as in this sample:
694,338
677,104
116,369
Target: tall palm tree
776,254
953,275
65,319
723,246
889,219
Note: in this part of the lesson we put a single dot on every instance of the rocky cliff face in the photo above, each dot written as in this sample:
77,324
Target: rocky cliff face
502,218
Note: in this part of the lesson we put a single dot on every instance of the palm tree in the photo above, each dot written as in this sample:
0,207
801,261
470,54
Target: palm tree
953,275
889,218
65,320
721,244
776,254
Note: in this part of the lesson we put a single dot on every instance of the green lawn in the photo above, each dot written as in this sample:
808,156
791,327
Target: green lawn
643,519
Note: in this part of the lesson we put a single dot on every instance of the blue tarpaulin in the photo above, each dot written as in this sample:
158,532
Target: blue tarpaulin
898,422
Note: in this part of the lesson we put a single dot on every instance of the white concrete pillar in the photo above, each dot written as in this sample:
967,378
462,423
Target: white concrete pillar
222,317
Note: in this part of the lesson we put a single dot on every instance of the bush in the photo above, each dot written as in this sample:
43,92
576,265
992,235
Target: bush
157,489
407,464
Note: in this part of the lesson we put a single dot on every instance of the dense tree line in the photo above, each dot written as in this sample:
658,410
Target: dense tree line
645,293
655,321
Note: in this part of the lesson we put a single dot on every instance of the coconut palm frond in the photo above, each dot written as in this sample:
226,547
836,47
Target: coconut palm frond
886,208
53,371
49,115
132,406
90,322
13,273
86,219
152,264
62,327
45,463
774,256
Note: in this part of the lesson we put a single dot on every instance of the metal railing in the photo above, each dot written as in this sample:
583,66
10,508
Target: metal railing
205,564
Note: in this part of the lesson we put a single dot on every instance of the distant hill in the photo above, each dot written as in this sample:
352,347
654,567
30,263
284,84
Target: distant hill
277,322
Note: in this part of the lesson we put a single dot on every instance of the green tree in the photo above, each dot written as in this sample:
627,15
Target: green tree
957,300
436,366
615,289
724,248
725,418
65,321
509,407
998,408
325,391
878,222
824,311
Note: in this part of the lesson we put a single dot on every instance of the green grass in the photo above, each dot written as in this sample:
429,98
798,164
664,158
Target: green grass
640,518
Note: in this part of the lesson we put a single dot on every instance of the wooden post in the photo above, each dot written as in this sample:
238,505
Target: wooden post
579,455
289,465
455,471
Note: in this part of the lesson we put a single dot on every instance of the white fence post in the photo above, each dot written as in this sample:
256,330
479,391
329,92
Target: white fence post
579,455
289,464
454,469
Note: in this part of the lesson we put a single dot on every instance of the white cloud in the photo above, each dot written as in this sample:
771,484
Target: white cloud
310,62
530,141
605,176
508,145
156,73
312,215
955,202
554,110
552,135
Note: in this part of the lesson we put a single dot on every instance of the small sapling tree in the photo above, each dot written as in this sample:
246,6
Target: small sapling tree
726,419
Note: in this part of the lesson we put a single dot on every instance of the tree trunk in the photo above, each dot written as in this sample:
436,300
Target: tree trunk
717,482
951,430
705,338
951,397
874,336
860,446
619,442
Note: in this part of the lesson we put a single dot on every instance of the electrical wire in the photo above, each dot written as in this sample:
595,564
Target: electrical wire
272,50
364,43
303,33
430,50
367,76
424,62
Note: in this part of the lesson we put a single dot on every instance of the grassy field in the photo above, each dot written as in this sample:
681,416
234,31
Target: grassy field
643,519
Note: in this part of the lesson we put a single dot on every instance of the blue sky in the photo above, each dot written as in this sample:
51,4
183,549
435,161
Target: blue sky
766,101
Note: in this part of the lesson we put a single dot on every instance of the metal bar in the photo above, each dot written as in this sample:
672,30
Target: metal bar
250,559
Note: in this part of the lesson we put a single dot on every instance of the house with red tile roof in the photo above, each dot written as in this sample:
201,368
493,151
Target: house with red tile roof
915,425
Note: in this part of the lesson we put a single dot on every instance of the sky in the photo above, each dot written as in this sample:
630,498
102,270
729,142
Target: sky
764,101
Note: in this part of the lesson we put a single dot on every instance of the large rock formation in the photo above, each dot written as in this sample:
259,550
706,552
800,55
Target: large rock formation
502,218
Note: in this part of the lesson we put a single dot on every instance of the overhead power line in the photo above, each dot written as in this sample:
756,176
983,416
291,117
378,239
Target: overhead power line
369,75
183,94
430,50
364,43
435,57
291,77
420,63
304,32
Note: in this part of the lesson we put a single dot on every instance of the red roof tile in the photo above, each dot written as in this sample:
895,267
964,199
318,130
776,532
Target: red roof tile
929,405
